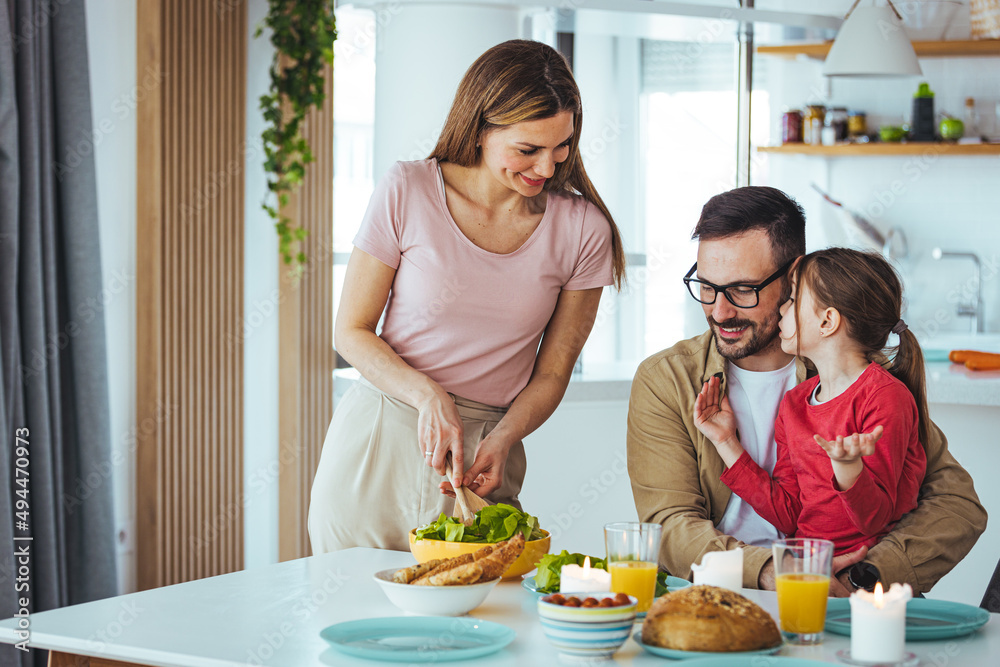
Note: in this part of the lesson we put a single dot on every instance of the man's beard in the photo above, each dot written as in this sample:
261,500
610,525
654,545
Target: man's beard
762,336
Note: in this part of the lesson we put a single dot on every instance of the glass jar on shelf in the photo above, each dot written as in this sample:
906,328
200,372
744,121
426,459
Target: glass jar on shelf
791,127
835,126
812,124
857,125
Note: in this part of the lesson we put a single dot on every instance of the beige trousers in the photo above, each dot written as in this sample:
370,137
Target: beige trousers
372,485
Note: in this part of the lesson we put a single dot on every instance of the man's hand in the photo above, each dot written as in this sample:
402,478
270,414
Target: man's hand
840,587
765,580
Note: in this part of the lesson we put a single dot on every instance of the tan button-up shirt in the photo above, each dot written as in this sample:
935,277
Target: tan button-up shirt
675,472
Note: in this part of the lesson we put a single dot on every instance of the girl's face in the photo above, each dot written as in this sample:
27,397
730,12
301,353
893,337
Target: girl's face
524,155
800,339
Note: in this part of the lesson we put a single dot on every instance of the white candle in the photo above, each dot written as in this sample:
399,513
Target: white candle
586,579
878,623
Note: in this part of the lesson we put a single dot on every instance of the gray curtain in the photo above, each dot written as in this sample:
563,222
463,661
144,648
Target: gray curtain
53,361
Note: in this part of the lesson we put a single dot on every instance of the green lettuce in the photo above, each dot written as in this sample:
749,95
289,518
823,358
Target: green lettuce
550,567
493,523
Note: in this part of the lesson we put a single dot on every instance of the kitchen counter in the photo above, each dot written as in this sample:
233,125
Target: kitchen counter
946,383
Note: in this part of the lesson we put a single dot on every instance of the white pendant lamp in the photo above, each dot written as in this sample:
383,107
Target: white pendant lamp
872,43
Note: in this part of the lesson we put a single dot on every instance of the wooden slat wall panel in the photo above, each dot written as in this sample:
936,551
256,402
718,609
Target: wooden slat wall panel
190,290
306,338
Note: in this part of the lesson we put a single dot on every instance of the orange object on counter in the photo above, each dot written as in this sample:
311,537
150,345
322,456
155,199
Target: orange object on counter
975,360
962,356
984,362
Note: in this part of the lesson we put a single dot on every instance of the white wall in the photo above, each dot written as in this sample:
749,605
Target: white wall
260,326
420,60
577,478
111,43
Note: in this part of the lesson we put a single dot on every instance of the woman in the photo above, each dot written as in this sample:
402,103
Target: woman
475,255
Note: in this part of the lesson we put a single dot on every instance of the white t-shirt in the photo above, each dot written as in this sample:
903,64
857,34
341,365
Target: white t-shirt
755,397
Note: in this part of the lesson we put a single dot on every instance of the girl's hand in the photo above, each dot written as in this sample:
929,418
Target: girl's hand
439,431
847,449
714,417
486,474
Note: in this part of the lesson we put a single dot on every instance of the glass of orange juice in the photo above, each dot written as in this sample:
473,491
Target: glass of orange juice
633,549
802,576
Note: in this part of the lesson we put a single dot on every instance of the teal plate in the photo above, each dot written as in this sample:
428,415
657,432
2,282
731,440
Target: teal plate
926,620
673,584
418,638
740,659
740,656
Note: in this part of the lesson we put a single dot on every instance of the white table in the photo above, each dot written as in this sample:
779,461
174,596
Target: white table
273,615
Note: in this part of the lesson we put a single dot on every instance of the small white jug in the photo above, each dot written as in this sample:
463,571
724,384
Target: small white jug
720,568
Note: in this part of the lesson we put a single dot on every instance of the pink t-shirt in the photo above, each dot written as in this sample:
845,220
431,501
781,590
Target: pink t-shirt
471,319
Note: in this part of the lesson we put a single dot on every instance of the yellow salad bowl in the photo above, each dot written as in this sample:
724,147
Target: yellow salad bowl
425,550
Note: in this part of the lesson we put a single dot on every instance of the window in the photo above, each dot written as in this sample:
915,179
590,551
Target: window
353,132
659,139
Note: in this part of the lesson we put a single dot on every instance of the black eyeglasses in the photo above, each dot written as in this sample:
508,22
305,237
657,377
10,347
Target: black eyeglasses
740,295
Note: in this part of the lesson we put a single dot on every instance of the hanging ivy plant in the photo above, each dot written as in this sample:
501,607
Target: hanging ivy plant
303,31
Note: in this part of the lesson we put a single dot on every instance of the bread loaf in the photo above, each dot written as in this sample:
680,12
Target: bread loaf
708,618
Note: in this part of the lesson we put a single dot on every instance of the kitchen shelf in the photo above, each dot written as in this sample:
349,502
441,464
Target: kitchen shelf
878,148
949,48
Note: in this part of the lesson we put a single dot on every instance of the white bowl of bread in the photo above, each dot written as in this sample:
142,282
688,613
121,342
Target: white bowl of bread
709,619
451,586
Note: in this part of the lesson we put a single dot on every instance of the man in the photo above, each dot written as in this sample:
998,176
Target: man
748,239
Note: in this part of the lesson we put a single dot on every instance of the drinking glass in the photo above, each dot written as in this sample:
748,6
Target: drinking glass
633,550
802,577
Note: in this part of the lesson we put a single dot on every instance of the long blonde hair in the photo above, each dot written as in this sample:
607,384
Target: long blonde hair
512,82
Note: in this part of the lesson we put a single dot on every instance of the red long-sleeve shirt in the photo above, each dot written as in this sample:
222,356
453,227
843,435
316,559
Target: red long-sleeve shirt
802,500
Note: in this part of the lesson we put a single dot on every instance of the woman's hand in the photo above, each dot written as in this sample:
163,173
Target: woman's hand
440,431
715,418
486,474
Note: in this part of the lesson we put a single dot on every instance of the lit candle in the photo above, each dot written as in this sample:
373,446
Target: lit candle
878,623
586,579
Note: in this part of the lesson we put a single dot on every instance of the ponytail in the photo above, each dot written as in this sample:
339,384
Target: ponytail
908,367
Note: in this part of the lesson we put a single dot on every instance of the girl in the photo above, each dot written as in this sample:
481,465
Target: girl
487,260
850,460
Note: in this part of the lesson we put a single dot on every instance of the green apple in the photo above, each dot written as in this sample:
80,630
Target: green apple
951,129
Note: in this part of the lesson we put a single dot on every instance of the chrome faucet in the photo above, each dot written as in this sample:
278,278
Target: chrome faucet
974,310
